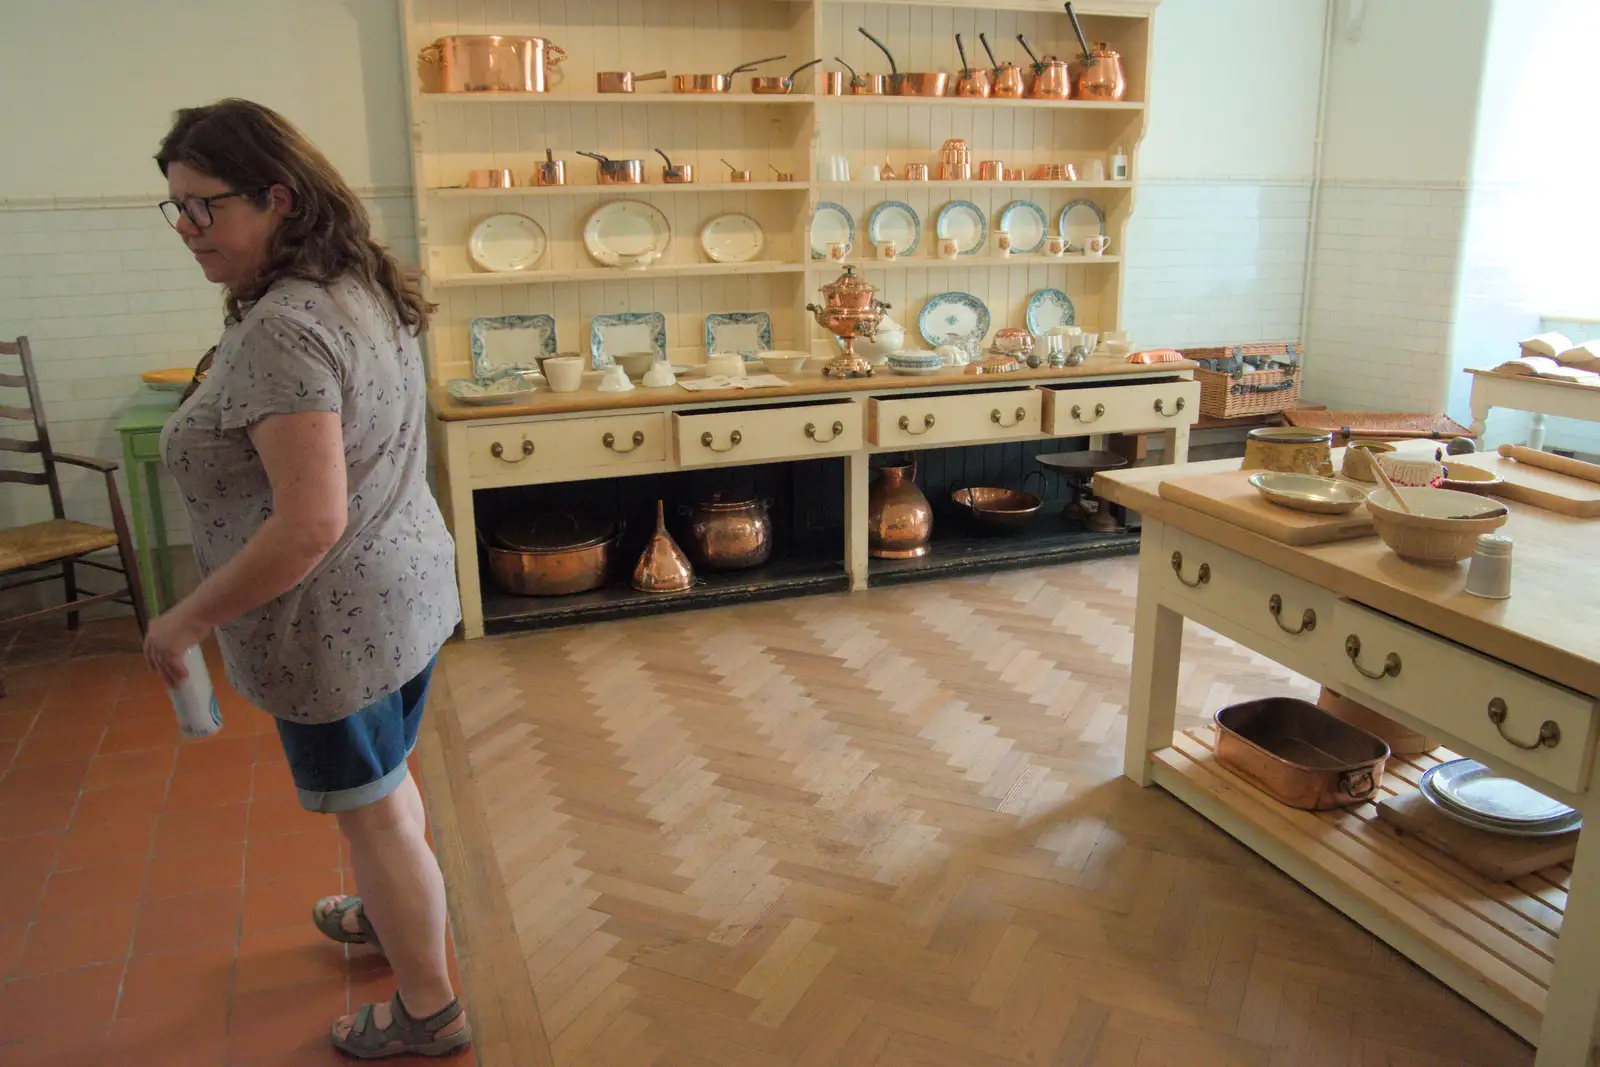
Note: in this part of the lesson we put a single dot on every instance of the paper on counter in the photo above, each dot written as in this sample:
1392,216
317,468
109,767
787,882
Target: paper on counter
753,381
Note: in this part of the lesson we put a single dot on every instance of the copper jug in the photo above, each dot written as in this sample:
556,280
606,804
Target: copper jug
662,567
899,517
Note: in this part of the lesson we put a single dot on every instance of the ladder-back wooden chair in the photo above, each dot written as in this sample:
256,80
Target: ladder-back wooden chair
56,548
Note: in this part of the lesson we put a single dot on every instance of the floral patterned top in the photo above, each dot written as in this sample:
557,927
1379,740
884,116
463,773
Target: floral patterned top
376,609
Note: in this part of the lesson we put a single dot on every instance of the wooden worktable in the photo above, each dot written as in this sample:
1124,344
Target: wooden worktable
1406,641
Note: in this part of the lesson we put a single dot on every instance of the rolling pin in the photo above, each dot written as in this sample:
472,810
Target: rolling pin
1577,468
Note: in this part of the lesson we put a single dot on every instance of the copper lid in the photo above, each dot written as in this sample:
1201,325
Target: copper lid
738,503
847,284
553,531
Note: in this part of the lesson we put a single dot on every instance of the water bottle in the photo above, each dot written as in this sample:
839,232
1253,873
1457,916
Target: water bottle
194,699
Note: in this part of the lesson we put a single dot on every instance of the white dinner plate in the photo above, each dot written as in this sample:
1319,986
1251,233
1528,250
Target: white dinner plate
1472,787
625,228
831,224
965,221
1025,222
1081,220
506,242
1047,309
896,221
732,238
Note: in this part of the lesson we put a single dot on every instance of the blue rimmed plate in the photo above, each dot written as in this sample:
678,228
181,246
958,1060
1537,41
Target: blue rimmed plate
508,344
830,224
748,333
1081,220
506,389
1049,308
1025,221
953,315
896,221
626,331
966,222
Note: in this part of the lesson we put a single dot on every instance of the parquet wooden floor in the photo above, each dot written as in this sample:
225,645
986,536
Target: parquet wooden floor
884,829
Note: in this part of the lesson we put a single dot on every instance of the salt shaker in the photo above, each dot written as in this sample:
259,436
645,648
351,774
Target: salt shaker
1489,575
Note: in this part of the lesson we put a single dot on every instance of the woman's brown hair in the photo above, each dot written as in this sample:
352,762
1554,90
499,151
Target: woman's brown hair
325,237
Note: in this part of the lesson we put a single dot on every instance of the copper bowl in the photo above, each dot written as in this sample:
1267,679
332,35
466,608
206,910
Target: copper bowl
924,83
998,510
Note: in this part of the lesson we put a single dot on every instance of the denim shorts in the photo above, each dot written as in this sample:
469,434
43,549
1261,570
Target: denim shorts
359,760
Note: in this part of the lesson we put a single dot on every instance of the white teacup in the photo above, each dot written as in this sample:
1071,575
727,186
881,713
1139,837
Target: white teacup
564,373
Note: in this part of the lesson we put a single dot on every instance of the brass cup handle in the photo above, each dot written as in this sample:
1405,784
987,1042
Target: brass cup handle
1161,407
1549,730
734,439
994,417
927,424
1077,412
498,451
1391,662
610,441
811,432
1202,576
1308,618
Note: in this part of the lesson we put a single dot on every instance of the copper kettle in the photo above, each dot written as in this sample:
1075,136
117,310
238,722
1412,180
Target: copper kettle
1008,82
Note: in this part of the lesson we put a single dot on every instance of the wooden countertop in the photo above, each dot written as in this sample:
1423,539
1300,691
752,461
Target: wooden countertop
1554,383
808,383
1550,626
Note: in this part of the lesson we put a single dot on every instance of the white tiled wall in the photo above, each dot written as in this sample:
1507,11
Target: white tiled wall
104,292
1212,262
1382,296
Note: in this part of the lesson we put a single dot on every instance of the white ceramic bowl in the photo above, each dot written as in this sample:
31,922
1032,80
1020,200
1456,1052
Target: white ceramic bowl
1306,492
1434,534
564,373
784,362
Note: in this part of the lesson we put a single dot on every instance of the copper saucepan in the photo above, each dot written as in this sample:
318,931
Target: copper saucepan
617,171
675,173
1008,83
1051,78
974,81
498,178
622,81
862,84
715,83
773,86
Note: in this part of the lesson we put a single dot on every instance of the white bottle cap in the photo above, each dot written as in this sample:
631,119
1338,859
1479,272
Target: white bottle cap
1494,545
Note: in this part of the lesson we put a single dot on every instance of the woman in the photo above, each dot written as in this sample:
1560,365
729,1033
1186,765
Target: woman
328,572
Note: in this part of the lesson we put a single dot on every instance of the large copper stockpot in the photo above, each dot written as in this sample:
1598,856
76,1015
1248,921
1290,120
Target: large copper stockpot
555,554
488,63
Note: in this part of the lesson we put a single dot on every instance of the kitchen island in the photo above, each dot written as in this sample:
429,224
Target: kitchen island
594,437
1407,642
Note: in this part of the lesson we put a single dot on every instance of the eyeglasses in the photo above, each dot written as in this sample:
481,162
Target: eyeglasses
198,208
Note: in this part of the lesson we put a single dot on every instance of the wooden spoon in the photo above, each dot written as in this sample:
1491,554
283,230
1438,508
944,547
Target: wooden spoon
1383,476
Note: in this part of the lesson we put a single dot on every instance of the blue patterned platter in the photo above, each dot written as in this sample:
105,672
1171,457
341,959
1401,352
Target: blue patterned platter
748,333
965,221
1026,223
511,344
1049,308
506,389
953,315
897,221
626,331
1080,220
829,224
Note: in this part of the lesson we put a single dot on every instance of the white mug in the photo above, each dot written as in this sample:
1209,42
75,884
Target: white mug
839,251
871,173
888,250
1002,242
1097,170
949,248
1096,245
1055,244
564,373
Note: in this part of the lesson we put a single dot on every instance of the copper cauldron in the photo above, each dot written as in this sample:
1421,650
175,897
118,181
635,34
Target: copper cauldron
730,535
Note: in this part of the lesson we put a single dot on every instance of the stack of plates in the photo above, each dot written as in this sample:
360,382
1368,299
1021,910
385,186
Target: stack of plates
1471,793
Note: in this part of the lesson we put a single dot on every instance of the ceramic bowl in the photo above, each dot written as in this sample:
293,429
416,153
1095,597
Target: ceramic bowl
916,359
635,363
784,362
1409,471
1436,534
1465,478
1306,492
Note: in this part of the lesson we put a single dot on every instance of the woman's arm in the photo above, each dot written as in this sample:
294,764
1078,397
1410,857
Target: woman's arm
303,455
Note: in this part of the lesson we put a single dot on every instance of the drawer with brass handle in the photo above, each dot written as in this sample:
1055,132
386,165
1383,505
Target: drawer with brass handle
511,451
1529,723
1076,410
764,434
954,418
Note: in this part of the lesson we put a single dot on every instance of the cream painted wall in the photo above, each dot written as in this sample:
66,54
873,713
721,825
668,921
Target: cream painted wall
331,66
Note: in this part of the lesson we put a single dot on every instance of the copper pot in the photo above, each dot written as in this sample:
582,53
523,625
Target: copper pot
714,83
768,85
899,517
867,85
675,173
551,172
498,178
731,535
662,567
1101,79
1300,755
974,81
931,83
617,171
833,83
622,81
555,554
991,170
488,63
1008,83
1051,79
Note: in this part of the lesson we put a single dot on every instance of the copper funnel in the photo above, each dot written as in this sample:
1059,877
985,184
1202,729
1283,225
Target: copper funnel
662,567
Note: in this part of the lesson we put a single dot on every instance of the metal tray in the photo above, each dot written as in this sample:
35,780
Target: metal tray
1300,755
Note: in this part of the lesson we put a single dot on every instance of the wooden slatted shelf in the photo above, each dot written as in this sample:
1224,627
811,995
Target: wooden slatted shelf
1494,941
618,190
633,99
537,276
919,262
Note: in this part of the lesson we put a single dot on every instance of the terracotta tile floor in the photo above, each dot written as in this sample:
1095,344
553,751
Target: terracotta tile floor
155,892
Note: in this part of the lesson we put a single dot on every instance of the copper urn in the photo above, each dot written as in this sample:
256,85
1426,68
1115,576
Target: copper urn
852,310
899,517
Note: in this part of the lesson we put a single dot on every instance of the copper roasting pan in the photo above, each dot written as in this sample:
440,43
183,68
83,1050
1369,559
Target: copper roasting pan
1300,755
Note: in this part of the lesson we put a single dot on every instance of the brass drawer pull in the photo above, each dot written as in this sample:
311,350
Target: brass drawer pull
1077,412
610,441
1549,730
1202,576
1308,618
994,417
811,432
927,424
1391,662
1161,408
498,451
733,441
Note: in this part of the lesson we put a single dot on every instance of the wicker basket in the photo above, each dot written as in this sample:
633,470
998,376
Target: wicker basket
1252,392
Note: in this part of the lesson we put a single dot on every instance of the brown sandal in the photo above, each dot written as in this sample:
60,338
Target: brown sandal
404,1036
331,922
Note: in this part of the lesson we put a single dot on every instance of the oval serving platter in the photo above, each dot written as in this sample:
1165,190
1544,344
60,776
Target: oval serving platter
953,315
